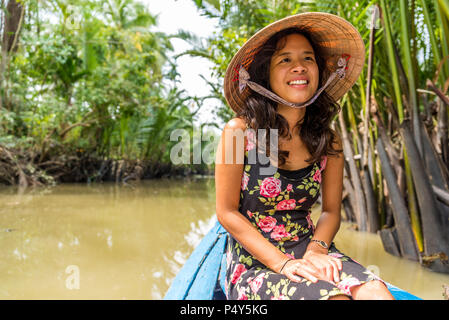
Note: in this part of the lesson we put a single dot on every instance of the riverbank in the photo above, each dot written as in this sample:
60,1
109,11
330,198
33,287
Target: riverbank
25,168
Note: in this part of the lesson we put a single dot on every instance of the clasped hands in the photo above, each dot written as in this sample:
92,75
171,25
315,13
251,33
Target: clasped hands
313,266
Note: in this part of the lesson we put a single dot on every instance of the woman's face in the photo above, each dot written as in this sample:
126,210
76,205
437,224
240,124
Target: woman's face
294,73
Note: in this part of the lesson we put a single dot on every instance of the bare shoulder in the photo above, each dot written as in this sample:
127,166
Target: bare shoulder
232,143
235,123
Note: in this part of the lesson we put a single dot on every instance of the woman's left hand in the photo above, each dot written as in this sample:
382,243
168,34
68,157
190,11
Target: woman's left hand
328,266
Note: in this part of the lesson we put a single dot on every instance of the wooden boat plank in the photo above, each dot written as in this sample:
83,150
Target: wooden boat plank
204,284
222,275
185,277
400,294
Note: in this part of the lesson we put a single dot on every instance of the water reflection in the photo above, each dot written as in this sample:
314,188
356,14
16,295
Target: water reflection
128,242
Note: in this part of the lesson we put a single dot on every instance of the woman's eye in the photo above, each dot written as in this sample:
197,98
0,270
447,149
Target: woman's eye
311,58
285,60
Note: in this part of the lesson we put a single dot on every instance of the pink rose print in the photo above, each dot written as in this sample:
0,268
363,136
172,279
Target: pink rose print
226,288
290,256
281,297
310,222
257,282
250,140
249,213
245,180
242,295
267,224
289,204
228,259
239,269
347,283
270,187
279,233
335,254
317,176
289,187
323,163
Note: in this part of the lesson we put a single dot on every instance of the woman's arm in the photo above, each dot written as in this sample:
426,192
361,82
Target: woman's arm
330,218
228,179
331,193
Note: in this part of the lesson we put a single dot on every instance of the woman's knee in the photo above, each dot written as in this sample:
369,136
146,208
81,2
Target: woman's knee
375,285
374,289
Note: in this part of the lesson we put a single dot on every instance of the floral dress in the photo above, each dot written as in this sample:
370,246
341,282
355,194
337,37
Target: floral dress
279,206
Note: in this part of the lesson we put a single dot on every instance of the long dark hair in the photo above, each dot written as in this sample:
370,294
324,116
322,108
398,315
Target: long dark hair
260,112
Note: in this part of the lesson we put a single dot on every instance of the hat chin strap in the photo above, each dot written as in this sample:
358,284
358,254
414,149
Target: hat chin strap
244,81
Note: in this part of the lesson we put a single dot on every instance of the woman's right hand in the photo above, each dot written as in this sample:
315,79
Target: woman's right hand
297,269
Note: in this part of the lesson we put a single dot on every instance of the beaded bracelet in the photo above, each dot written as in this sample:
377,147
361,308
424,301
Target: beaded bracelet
285,264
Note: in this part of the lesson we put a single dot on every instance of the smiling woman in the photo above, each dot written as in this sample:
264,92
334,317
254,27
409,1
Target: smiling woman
274,251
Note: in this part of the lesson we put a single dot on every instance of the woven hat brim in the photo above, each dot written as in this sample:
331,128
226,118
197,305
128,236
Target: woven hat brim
334,35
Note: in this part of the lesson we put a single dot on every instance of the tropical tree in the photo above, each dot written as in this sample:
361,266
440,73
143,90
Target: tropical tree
87,81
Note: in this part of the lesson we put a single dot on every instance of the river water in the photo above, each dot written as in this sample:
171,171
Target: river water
108,241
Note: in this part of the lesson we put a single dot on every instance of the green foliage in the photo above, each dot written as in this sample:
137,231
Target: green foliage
91,76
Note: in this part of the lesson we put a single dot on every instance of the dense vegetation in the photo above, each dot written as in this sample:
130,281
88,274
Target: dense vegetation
82,84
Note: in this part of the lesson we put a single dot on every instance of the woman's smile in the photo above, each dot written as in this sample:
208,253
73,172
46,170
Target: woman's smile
298,82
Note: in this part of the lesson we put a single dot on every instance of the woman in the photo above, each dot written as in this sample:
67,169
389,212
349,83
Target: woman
285,78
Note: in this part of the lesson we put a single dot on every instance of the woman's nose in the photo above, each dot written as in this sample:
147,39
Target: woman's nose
299,68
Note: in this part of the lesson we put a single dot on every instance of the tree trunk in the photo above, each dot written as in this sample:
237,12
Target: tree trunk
407,242
371,203
435,240
360,211
389,239
442,131
392,154
13,20
11,29
441,195
368,90
350,199
433,162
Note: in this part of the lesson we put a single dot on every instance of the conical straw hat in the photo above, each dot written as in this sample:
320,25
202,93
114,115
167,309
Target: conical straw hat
332,34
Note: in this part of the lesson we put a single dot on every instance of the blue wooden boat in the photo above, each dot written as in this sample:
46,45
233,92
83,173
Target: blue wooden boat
202,276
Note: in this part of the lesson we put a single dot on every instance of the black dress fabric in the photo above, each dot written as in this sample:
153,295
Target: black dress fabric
279,206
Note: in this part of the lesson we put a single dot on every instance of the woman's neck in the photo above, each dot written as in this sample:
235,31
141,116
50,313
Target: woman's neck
292,115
